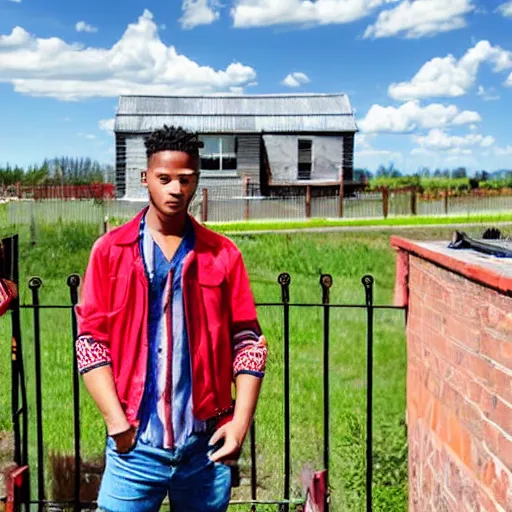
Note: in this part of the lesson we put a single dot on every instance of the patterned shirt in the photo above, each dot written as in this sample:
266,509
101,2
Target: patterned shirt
166,417
166,413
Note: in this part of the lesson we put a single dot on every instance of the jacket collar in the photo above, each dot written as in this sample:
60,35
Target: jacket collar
129,233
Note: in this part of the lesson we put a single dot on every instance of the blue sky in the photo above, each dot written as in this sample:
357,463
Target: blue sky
430,80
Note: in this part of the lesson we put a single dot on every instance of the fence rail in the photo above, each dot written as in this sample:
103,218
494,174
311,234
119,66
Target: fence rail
227,205
40,192
19,391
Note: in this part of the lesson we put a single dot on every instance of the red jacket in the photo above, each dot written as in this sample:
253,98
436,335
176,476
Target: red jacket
218,303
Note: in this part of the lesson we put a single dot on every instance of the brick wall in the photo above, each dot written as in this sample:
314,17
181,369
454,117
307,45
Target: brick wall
459,392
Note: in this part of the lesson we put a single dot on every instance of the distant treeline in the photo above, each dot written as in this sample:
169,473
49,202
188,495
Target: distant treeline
424,180
58,171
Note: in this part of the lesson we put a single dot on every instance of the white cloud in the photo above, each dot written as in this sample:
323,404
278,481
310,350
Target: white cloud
107,125
506,151
257,13
296,79
412,116
447,76
440,140
139,63
83,26
506,9
15,1
420,18
199,12
487,95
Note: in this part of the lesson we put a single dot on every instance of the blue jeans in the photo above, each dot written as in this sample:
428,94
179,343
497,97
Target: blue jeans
139,480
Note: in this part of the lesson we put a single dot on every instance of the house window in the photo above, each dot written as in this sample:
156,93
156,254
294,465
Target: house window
218,153
305,159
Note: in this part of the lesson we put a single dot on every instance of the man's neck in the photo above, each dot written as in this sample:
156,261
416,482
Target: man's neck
166,226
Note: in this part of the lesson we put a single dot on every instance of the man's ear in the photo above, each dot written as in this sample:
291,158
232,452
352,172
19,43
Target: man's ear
143,178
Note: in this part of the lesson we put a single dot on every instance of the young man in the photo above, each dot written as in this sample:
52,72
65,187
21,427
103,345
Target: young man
167,323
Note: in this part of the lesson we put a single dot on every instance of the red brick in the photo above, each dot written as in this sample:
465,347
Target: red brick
493,346
486,503
501,414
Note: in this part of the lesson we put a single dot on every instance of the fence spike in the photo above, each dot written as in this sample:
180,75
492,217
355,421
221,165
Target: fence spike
326,283
73,281
35,283
368,288
284,280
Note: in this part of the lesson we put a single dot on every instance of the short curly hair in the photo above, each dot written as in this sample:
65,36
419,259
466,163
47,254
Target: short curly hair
172,138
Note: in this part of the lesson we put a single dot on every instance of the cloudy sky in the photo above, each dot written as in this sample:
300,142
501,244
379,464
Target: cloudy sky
430,80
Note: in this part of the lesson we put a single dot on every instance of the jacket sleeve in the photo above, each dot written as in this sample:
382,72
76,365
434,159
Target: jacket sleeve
249,344
92,344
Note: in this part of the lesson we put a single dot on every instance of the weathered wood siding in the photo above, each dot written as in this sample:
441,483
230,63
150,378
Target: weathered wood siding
248,156
283,155
326,158
136,162
348,157
120,141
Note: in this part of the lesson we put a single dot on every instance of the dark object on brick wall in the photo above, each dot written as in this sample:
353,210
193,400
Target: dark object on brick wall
492,234
461,240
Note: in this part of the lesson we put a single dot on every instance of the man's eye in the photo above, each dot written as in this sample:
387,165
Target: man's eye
185,181
164,179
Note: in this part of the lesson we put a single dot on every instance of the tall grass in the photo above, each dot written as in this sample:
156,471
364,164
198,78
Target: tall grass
62,250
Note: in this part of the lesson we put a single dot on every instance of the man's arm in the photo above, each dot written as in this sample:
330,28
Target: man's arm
249,360
93,352
234,433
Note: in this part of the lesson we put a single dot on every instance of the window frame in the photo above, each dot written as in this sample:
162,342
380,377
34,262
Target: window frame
221,172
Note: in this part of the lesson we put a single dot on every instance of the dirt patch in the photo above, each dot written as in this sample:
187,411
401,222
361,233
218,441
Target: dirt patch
6,448
6,464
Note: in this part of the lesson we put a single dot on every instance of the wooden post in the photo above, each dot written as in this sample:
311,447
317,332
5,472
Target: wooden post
414,201
340,203
204,206
247,181
308,201
385,202
446,192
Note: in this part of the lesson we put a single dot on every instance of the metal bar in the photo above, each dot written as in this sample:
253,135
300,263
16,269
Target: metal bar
326,282
334,306
259,304
18,369
368,286
8,262
73,283
284,280
35,284
45,306
90,504
254,474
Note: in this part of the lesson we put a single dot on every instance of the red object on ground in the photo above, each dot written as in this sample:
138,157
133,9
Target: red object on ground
317,493
15,484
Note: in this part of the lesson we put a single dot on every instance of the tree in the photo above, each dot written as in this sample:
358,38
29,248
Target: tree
460,172
362,175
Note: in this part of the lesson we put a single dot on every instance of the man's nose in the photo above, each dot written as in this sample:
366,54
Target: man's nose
175,187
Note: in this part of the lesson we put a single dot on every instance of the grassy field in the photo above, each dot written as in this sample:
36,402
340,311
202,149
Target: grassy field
64,249
269,225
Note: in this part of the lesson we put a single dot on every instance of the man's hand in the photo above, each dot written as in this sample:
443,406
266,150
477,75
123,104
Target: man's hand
233,435
125,441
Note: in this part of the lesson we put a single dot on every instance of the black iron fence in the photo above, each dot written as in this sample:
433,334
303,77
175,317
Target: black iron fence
20,421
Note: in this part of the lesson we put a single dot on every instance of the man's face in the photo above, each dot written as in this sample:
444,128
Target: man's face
171,179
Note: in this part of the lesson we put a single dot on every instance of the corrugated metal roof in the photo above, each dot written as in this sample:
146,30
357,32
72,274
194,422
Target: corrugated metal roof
247,113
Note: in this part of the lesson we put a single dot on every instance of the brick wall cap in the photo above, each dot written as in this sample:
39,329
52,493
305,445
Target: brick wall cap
488,270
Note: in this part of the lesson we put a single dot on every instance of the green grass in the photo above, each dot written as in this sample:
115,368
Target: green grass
64,249
269,225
